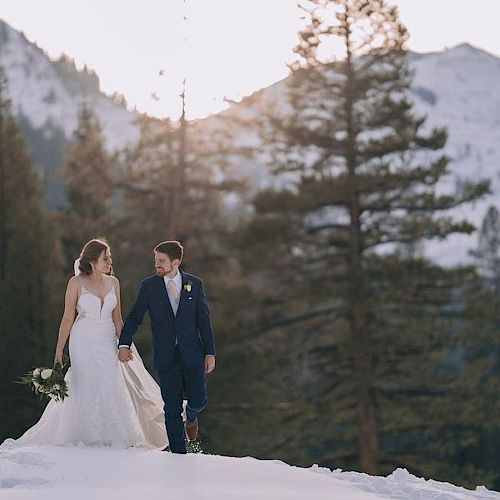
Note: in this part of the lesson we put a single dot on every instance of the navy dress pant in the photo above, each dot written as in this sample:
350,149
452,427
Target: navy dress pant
177,383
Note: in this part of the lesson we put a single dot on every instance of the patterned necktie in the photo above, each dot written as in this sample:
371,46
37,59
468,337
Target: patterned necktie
173,295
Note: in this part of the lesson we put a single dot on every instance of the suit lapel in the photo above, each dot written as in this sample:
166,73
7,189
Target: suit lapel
163,290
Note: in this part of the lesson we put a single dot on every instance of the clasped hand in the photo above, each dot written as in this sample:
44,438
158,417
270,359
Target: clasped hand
125,354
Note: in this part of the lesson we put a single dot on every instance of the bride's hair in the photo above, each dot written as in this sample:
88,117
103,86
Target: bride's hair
91,252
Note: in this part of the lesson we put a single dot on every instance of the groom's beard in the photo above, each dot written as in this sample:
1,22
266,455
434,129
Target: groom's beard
161,272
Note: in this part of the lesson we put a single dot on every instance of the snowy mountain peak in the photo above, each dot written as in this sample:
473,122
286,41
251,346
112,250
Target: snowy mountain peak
467,50
48,93
455,88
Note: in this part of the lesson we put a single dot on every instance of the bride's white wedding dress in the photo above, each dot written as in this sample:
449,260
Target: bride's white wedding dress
110,403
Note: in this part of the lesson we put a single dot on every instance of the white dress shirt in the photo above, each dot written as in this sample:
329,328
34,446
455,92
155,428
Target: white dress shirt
177,279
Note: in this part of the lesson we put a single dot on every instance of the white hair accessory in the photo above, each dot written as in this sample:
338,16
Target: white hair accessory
76,267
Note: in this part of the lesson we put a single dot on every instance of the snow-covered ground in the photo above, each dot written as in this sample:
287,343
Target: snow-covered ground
79,473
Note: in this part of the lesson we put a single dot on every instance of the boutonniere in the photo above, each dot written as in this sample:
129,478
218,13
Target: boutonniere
188,286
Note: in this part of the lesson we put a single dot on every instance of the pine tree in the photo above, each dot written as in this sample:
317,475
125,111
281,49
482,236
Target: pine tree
29,275
150,211
89,190
361,305
488,252
481,352
149,179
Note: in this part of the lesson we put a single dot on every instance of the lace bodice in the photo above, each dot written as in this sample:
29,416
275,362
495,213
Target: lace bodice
90,305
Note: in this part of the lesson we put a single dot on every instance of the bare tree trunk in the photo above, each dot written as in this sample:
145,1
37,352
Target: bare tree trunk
3,201
367,429
175,218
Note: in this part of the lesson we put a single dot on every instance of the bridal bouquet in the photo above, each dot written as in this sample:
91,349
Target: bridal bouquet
47,382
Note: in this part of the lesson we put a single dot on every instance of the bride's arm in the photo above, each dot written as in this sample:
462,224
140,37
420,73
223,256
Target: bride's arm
117,311
118,320
68,318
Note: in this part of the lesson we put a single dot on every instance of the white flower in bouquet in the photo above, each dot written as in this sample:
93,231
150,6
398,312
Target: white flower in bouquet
47,382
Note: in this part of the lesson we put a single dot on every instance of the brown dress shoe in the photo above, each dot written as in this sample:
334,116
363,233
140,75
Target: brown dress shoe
192,429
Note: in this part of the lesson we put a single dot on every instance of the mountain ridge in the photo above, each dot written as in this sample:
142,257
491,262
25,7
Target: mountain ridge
454,88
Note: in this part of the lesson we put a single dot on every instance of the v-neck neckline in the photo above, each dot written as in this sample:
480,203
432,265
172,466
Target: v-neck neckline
99,298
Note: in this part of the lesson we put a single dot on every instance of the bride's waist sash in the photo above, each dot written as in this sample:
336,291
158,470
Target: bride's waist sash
87,317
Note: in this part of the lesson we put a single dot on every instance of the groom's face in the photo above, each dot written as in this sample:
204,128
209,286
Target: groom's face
164,266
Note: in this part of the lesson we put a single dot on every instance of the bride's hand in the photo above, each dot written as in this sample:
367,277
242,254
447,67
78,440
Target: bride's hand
125,354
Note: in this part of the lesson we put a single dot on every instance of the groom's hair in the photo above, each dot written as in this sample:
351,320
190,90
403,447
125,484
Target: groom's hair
173,249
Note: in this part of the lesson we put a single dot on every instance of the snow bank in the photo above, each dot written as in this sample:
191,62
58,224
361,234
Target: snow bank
80,473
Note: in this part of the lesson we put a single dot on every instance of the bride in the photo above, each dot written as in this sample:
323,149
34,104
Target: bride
110,403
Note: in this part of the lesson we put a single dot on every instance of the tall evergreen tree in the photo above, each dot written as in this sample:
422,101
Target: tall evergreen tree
358,307
149,179
487,253
481,348
149,184
29,275
87,178
158,203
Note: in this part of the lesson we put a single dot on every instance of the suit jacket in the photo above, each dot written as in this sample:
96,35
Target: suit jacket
191,325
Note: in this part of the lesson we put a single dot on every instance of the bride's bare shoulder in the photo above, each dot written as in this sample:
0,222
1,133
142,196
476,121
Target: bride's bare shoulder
74,282
74,285
114,280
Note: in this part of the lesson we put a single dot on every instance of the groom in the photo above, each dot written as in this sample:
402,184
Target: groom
183,341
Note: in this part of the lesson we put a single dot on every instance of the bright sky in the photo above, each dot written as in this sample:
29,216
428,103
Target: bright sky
233,47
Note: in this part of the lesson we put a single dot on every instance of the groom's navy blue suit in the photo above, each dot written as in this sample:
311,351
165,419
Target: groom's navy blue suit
180,365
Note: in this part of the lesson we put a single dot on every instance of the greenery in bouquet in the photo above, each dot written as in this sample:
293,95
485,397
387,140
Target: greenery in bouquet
47,383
